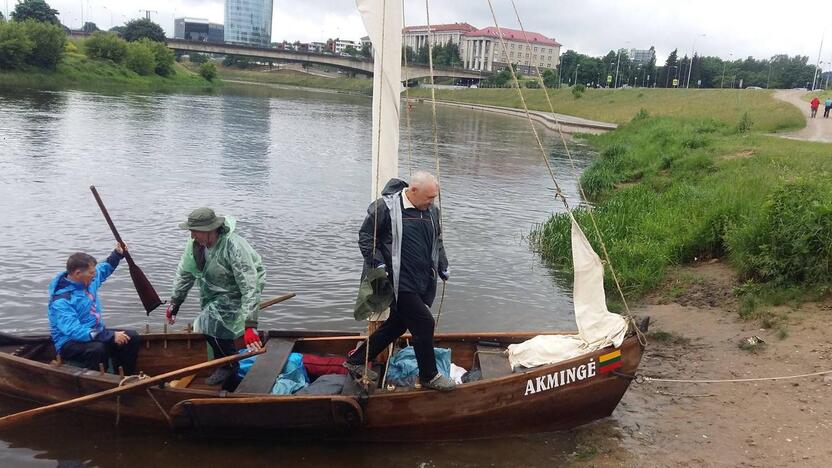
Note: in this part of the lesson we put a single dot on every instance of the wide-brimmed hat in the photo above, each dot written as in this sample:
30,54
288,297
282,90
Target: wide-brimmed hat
203,219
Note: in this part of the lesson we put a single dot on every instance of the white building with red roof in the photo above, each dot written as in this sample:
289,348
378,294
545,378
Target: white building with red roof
483,50
416,37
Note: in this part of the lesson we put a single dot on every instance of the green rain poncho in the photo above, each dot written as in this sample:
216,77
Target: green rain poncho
229,285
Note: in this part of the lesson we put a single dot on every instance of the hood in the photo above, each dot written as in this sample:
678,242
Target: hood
230,225
61,284
394,185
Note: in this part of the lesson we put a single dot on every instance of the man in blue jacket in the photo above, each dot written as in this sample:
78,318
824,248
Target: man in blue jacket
75,322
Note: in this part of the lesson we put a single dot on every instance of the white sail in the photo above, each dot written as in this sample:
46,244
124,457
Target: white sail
383,21
597,327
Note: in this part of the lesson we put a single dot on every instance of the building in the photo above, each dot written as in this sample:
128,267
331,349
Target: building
365,41
483,51
337,46
248,22
641,56
416,37
317,47
197,29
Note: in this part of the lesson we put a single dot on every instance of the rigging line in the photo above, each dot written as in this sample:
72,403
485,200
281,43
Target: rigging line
407,100
628,313
435,151
364,378
558,192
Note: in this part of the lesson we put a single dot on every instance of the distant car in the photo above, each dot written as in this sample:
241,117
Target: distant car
473,86
753,87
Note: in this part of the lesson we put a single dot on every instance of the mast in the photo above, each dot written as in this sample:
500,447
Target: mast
383,21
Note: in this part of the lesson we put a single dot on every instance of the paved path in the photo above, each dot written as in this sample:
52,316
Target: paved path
817,129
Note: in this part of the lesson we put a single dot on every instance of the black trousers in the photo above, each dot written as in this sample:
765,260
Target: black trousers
223,348
94,353
409,312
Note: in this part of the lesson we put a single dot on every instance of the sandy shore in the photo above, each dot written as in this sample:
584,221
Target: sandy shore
757,424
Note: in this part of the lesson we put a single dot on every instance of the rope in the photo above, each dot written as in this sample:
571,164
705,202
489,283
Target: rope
121,383
435,148
407,101
643,378
628,314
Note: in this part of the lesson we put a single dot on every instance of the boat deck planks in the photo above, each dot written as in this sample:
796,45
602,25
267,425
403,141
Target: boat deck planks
493,362
260,378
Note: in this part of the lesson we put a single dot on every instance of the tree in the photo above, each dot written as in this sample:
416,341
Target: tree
140,58
669,69
90,27
351,51
650,70
162,56
196,57
15,45
106,46
48,40
143,28
366,50
120,30
208,70
2,18
37,10
550,78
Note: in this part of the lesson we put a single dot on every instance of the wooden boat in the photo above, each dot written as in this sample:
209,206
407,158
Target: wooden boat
547,398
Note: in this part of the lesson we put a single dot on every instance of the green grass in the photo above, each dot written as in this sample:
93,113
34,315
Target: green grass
79,72
297,78
670,190
620,106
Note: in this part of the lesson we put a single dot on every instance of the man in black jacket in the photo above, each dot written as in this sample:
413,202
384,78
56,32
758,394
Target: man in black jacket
403,235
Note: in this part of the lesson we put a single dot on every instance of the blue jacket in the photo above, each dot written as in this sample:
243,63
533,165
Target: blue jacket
71,315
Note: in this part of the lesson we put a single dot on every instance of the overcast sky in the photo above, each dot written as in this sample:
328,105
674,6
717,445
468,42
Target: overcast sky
759,28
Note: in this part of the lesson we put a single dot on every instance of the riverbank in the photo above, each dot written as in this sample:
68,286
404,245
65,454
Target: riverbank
77,71
296,78
620,106
696,334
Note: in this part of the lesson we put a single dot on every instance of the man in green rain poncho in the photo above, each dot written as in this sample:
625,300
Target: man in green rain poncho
230,277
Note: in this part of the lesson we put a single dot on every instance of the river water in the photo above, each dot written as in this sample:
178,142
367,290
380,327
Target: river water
293,167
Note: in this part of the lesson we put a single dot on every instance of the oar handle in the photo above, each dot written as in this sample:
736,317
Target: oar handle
106,214
276,300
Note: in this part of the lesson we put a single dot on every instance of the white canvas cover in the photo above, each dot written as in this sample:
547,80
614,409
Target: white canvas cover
597,327
383,21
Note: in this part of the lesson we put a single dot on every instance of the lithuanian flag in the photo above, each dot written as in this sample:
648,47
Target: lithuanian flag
609,362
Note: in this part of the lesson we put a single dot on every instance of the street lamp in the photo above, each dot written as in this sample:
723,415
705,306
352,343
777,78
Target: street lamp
722,82
576,74
617,63
693,52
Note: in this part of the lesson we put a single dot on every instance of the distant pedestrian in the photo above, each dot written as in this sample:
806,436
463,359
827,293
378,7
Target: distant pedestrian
815,104
827,105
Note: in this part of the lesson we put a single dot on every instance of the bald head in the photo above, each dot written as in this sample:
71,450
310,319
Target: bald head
423,190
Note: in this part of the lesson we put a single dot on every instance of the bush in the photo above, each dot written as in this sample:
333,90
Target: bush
745,124
208,70
15,45
140,58
143,28
790,241
107,46
198,58
578,91
48,43
163,57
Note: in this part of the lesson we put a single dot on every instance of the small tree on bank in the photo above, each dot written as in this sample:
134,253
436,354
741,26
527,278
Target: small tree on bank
143,28
37,10
90,27
208,70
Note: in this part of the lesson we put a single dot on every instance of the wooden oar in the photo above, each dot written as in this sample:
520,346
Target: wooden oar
276,300
150,299
24,416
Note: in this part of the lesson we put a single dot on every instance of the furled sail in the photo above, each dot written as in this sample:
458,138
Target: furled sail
383,21
597,327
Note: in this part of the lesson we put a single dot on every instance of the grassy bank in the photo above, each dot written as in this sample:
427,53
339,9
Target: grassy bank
670,190
77,71
297,78
619,106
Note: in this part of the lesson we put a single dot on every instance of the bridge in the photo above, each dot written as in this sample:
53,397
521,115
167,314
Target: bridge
365,66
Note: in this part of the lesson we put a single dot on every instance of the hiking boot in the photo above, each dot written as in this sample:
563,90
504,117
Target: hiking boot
440,383
220,375
357,370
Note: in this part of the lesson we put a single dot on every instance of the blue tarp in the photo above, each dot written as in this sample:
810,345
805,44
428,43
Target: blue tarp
403,370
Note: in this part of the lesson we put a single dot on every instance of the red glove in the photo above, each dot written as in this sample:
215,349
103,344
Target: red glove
170,312
252,339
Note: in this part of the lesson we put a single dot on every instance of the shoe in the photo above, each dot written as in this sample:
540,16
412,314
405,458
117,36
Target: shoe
357,370
440,383
220,375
